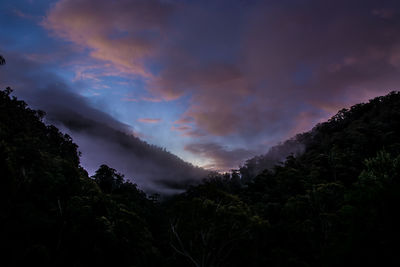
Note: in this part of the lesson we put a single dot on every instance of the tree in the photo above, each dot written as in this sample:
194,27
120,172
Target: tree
2,60
209,227
108,179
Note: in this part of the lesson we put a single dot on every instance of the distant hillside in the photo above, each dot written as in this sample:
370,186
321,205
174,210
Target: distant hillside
276,155
360,130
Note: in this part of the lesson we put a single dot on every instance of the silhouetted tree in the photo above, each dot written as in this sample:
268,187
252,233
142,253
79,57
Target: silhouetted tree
108,179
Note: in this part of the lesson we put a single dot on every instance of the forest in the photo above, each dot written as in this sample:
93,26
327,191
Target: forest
334,204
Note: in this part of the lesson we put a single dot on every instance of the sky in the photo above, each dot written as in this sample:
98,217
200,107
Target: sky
213,82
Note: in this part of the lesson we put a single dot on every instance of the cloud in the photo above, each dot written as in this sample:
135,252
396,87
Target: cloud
222,159
149,120
129,99
385,13
187,130
182,128
123,32
23,15
253,72
184,120
151,99
101,138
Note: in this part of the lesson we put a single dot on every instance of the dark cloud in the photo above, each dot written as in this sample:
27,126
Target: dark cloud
101,138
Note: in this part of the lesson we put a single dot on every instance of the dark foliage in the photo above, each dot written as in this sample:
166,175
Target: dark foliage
336,204
52,213
2,60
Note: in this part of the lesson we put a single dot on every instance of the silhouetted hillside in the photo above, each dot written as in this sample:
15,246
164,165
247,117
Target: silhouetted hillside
104,140
155,168
362,130
52,213
332,205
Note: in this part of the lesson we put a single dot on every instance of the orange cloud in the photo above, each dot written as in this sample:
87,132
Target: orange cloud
123,33
181,128
149,120
184,120
218,93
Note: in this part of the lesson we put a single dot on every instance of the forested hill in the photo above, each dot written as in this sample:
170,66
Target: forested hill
357,132
52,213
334,205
